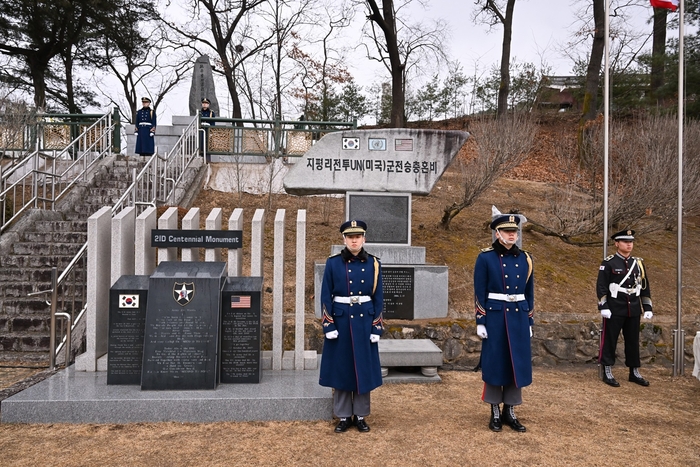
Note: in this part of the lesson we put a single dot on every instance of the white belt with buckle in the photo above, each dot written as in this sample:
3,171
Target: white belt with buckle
507,297
630,291
358,299
145,124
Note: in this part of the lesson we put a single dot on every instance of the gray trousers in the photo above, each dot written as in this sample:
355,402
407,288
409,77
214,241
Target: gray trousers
349,403
509,395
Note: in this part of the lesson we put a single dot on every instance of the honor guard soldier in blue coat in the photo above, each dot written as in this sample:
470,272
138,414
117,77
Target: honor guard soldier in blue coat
145,129
352,303
205,112
504,298
623,296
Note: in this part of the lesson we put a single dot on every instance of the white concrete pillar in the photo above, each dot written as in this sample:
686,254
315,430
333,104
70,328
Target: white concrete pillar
145,254
168,221
98,284
256,243
235,255
213,223
191,222
123,244
278,291
300,290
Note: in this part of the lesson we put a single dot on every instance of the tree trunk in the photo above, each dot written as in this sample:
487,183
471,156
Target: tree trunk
37,68
658,51
590,99
398,97
504,86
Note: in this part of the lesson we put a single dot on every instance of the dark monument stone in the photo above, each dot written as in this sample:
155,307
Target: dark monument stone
203,86
241,307
182,326
388,216
398,286
127,316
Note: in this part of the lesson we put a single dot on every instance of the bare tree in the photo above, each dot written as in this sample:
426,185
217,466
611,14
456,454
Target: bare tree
658,51
497,12
642,186
229,33
401,48
501,145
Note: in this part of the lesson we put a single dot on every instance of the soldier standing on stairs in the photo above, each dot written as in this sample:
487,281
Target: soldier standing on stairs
145,129
504,300
623,295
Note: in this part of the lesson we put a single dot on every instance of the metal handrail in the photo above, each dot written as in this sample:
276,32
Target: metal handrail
148,188
40,173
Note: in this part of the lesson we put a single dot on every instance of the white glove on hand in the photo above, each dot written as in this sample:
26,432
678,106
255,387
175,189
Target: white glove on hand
606,314
332,334
374,338
648,315
481,331
530,331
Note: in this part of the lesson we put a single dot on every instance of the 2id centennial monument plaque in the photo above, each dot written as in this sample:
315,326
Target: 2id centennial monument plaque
182,326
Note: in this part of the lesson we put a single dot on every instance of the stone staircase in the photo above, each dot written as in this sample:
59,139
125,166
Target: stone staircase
41,240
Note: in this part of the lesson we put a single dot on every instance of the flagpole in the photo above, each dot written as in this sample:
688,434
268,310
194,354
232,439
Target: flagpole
678,345
606,128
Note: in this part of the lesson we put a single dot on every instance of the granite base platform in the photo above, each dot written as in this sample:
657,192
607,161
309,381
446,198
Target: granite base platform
72,396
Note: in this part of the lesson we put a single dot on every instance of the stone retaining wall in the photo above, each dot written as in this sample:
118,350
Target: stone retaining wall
558,339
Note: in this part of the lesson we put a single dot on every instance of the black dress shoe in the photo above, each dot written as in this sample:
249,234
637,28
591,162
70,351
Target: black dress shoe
495,424
515,424
361,425
343,425
611,382
638,379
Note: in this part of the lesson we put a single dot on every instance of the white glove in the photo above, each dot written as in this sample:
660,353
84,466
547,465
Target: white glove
332,334
374,338
481,331
648,315
606,314
530,331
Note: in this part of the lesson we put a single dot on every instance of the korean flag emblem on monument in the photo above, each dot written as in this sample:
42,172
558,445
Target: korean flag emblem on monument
128,301
351,143
183,292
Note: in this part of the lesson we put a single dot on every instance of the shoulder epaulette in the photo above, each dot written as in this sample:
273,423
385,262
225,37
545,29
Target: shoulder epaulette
609,258
330,256
638,258
484,250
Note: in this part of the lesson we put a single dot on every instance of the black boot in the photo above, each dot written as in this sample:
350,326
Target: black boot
608,377
635,377
495,422
511,420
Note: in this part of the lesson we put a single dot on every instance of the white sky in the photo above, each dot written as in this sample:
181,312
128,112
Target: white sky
541,28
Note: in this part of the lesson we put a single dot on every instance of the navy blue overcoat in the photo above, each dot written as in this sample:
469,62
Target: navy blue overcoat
351,362
145,139
505,354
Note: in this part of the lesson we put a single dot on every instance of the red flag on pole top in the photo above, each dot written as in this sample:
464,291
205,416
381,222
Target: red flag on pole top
668,4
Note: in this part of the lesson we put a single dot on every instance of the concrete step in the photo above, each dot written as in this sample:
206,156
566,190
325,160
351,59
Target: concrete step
31,261
38,358
25,324
26,306
49,249
25,342
55,237
61,226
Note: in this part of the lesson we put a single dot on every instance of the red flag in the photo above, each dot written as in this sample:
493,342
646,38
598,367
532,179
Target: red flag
668,4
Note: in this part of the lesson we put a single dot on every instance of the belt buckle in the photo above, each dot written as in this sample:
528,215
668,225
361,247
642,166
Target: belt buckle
354,299
630,291
511,298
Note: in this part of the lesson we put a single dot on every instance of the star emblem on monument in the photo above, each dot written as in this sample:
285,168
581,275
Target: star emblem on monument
183,292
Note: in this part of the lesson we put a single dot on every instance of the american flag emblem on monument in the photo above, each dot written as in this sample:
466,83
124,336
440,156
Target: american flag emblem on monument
403,144
240,301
